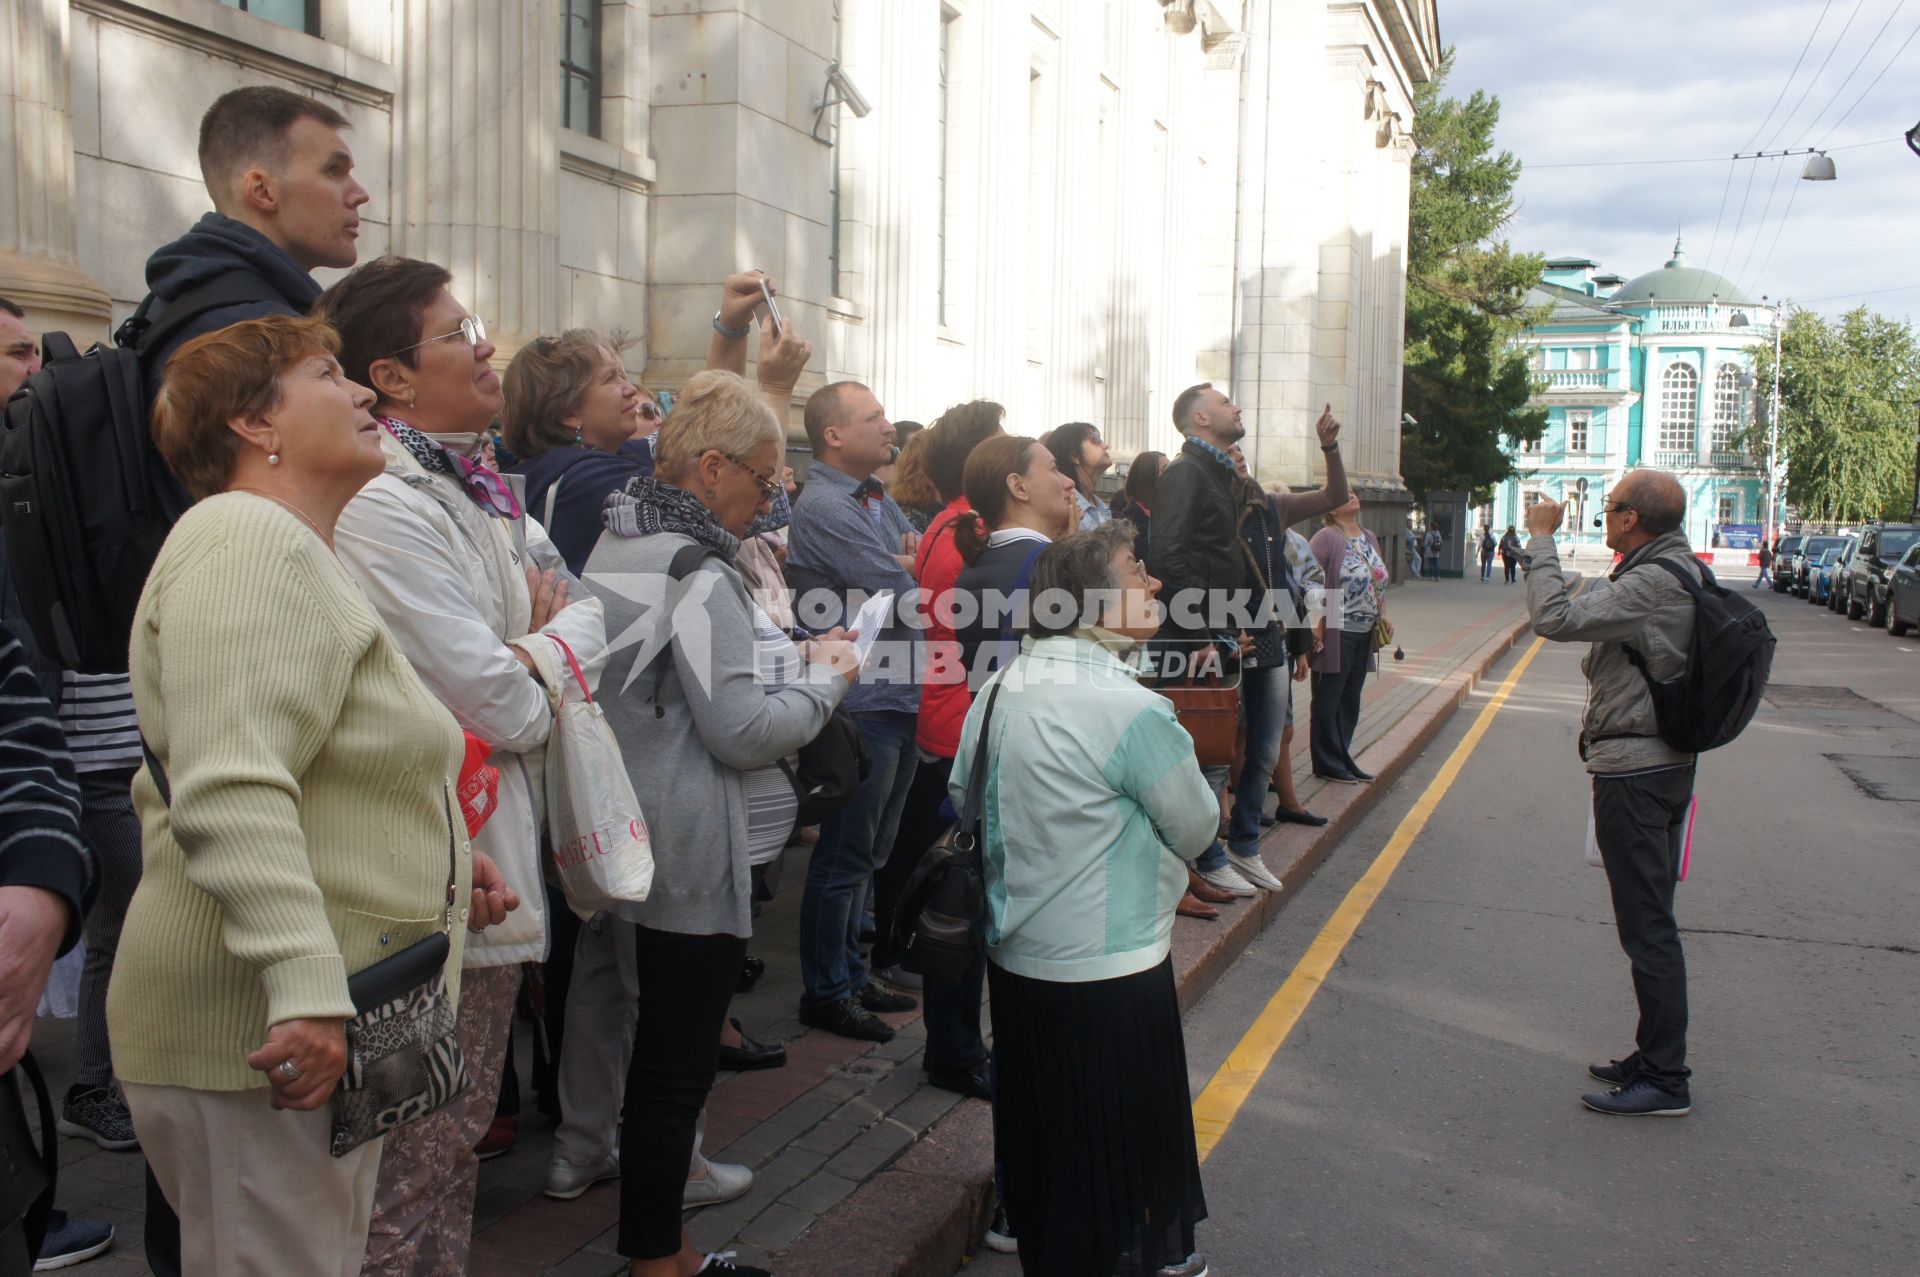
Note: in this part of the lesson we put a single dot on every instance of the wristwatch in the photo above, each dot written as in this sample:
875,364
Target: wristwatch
731,333
1330,447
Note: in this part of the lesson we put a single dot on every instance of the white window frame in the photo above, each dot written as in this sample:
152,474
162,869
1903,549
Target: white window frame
1726,408
1582,420
1679,408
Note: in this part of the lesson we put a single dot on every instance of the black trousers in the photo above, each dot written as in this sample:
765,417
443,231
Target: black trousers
1336,704
685,984
1640,823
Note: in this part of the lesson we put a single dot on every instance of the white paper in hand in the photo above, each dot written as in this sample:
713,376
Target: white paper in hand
1592,850
870,623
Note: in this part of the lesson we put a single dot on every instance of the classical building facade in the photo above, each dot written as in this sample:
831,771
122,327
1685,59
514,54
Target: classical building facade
1077,207
1648,372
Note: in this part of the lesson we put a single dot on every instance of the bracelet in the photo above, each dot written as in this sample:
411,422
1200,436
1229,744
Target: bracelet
1330,447
731,334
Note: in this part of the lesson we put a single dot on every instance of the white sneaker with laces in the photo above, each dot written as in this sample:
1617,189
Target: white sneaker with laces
1228,879
1254,870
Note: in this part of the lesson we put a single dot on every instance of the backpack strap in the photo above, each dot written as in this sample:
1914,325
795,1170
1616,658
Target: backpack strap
1691,586
144,334
976,795
679,568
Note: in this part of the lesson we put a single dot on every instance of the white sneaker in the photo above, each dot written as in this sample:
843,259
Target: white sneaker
724,1182
1254,870
1227,879
565,1181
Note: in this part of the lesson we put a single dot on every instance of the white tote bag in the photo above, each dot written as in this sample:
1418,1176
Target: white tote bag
600,843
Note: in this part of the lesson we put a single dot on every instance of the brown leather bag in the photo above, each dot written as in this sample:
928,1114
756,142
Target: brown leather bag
1209,710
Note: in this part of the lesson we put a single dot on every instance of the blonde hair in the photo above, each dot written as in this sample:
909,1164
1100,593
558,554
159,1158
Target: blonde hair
912,485
230,372
716,411
548,378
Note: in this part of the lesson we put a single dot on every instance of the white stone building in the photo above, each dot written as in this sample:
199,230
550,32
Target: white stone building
1077,207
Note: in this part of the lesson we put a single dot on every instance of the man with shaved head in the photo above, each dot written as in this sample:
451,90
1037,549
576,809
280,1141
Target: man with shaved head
1642,787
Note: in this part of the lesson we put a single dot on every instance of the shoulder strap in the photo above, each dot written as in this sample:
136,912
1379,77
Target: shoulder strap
1680,574
975,798
145,334
553,490
679,568
158,772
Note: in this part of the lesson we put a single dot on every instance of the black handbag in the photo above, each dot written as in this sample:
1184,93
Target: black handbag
937,927
829,769
403,1043
27,1168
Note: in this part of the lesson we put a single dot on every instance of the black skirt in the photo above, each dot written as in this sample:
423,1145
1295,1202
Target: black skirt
1093,1125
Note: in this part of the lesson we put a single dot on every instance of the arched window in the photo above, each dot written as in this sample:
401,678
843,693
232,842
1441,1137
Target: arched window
1679,404
1726,407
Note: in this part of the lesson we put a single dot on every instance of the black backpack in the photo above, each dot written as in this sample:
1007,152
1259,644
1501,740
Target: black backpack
86,499
1727,667
937,925
829,769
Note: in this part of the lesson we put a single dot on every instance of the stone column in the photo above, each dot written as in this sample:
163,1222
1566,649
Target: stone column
476,157
37,266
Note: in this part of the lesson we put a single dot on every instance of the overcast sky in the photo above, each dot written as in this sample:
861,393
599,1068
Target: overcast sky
1685,79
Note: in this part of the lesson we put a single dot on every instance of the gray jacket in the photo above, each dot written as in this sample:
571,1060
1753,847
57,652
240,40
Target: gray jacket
1644,608
716,720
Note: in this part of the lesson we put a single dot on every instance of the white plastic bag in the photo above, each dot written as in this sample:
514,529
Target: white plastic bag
1592,850
600,843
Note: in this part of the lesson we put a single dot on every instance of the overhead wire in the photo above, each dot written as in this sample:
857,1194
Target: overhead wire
1760,227
1833,48
1697,159
1740,220
1858,63
1869,89
1747,285
1796,70
1717,217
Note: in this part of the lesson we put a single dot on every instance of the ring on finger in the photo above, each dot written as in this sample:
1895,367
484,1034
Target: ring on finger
287,1071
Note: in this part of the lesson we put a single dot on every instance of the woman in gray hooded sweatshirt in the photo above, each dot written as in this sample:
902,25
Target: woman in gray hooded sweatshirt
706,695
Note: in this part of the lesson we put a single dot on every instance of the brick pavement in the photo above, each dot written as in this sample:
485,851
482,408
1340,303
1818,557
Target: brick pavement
822,1132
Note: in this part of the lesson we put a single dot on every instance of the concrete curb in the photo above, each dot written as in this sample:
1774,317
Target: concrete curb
921,1216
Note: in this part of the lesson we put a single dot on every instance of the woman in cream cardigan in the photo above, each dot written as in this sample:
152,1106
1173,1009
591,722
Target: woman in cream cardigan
311,829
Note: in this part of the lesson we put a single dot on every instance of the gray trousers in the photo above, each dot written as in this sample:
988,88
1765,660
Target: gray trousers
111,828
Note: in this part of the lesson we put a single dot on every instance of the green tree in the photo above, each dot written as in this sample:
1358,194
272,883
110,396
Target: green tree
1847,393
1465,384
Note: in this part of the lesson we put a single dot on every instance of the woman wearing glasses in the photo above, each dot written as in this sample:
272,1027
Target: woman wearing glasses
711,696
580,428
473,590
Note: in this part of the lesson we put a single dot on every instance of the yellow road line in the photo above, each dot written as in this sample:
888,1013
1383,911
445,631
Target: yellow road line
1229,1088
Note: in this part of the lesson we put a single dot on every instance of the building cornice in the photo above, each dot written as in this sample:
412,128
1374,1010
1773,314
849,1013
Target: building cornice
213,28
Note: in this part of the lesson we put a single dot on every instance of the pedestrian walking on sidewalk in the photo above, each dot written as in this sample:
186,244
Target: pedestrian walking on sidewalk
1085,856
1510,553
1766,566
1642,787
1433,553
1486,555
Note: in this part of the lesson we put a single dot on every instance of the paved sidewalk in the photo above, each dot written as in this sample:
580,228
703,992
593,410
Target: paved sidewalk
852,1176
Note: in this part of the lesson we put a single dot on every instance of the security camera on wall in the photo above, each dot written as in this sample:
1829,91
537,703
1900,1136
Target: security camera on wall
849,96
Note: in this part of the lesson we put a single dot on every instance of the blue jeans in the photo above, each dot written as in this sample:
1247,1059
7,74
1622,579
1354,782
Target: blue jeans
1216,854
1264,694
853,843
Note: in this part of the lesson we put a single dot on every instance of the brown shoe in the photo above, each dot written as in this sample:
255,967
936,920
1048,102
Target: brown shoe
1191,908
1199,888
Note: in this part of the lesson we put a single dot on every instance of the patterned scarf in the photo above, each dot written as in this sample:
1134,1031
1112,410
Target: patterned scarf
482,486
646,507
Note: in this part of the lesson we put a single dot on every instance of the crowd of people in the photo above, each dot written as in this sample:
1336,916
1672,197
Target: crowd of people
394,563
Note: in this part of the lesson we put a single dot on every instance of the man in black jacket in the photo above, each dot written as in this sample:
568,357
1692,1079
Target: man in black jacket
285,204
1202,559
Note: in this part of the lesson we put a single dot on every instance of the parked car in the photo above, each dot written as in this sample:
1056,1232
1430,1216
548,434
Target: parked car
1805,556
1903,600
1782,557
1837,595
1870,575
1820,575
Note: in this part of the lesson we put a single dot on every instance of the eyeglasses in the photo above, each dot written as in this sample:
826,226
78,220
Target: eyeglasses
650,411
1616,507
769,488
1140,570
471,330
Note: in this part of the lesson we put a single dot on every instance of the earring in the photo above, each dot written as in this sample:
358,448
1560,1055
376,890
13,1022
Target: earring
576,439
273,458
711,494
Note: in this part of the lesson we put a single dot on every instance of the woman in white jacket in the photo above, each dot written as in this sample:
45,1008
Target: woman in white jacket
476,594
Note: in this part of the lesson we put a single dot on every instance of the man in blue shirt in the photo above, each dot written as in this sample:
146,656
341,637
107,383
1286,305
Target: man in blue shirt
850,539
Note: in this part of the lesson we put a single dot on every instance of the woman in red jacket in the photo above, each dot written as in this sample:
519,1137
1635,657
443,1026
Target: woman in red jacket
955,1056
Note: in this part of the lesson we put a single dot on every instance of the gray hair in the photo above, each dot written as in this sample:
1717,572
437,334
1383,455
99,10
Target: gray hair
718,411
1074,580
1656,497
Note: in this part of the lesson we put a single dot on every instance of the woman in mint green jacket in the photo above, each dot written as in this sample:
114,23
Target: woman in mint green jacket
1094,806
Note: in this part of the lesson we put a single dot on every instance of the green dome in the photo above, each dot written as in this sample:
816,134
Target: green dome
1679,282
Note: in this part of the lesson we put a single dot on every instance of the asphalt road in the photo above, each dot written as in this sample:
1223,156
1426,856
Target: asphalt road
1423,1116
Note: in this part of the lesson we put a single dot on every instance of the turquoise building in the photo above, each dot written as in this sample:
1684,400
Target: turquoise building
1652,371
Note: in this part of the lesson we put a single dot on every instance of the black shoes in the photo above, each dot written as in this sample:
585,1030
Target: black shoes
1340,778
1359,775
848,1019
751,969
1639,1098
880,1002
1288,816
751,1055
971,1083
1616,1072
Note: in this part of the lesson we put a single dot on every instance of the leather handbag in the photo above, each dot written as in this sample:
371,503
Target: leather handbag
403,1045
937,926
1209,711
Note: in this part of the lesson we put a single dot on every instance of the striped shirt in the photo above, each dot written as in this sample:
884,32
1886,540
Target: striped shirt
772,806
96,712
